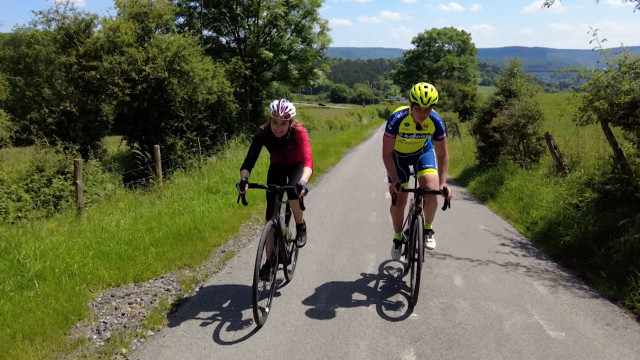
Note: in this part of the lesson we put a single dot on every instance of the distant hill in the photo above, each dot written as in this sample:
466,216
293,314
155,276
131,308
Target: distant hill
364,53
533,58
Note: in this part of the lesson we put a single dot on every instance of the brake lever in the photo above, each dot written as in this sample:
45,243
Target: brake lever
244,200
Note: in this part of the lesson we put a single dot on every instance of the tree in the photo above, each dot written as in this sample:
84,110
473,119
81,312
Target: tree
362,94
446,58
165,90
339,94
262,41
549,3
508,124
611,97
54,91
6,129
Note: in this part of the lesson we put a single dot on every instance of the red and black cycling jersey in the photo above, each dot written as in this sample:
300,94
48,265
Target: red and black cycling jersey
289,149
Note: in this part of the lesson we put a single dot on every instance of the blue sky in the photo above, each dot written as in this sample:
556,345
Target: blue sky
393,23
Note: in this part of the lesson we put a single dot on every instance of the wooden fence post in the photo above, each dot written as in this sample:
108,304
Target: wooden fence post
77,181
156,155
555,152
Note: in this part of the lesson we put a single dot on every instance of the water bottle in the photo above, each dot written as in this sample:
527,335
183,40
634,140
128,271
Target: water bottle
283,228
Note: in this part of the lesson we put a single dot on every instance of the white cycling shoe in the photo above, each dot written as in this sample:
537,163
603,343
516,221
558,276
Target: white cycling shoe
430,241
396,250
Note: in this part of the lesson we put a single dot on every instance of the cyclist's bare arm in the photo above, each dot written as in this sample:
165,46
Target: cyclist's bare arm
442,155
387,157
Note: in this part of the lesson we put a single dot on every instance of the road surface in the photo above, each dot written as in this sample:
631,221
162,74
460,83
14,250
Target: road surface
487,293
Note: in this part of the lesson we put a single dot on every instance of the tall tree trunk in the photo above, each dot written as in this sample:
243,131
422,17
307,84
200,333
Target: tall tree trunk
617,151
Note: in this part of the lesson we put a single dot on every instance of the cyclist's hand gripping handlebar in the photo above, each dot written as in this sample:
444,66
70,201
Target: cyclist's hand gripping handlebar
394,197
447,201
444,193
258,186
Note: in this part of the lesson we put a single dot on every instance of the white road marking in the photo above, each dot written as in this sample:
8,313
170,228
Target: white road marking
409,354
540,287
556,334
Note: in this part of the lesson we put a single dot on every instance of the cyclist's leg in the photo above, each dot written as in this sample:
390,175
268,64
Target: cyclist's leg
278,176
428,178
294,172
397,211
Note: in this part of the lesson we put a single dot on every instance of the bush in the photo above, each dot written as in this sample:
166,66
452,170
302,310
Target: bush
509,122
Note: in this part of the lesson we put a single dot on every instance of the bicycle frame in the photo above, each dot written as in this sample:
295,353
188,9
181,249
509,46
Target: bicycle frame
282,229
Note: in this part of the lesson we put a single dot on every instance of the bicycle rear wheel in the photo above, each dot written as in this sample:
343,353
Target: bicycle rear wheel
290,246
265,286
415,257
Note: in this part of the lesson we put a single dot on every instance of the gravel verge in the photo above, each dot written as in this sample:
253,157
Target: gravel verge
126,308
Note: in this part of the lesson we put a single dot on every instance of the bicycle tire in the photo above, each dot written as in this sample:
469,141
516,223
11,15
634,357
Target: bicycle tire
263,290
290,246
415,258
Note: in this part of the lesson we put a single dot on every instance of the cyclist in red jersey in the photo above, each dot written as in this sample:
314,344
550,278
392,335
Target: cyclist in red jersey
291,162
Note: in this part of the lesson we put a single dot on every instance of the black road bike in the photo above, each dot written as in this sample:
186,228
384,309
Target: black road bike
277,247
414,248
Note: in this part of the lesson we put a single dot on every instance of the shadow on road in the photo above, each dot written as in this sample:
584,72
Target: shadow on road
385,290
227,307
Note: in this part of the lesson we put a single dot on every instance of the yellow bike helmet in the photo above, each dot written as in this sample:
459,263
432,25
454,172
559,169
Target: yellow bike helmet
424,94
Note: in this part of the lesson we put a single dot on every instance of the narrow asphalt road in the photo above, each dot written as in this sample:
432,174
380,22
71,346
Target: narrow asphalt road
487,293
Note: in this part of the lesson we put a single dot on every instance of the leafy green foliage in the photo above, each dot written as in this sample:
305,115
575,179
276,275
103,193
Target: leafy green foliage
612,95
446,58
350,72
166,91
55,93
6,128
339,94
261,41
509,122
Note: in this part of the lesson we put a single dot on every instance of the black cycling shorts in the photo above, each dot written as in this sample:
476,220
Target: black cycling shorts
281,174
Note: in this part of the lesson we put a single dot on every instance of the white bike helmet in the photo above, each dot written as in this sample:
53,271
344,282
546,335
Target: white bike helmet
282,108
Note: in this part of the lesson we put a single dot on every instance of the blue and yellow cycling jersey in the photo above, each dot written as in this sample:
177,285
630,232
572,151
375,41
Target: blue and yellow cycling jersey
410,140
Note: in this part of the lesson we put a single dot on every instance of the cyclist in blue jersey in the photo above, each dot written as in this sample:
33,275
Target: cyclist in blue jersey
415,135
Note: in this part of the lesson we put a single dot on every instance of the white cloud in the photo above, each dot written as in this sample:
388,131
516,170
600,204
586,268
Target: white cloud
527,33
476,7
383,16
409,1
561,27
402,34
340,22
536,8
451,7
76,3
618,32
481,29
619,4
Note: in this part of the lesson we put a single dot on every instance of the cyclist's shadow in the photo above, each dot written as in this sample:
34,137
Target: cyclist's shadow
227,307
386,290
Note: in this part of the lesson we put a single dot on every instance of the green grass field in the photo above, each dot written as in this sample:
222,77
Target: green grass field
51,269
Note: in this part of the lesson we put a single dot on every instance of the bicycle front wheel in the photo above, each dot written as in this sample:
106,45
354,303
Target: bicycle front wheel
264,274
415,257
